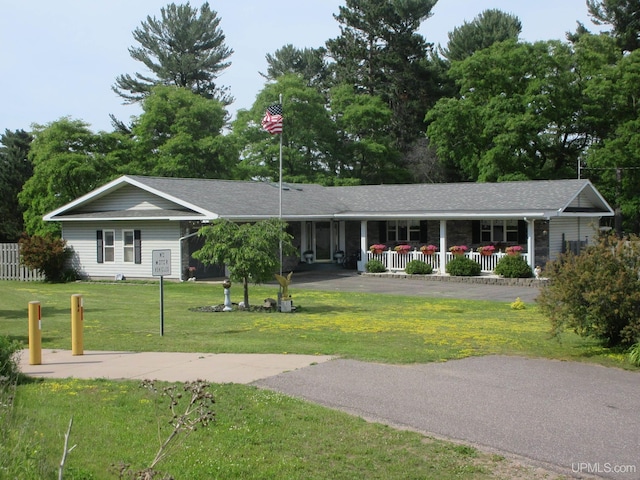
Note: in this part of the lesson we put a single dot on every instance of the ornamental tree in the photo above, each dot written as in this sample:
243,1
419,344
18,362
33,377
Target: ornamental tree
251,251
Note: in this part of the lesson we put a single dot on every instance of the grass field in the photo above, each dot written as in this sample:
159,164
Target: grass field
257,434
392,329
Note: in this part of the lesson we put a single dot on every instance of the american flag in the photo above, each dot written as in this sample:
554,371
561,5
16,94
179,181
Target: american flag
272,121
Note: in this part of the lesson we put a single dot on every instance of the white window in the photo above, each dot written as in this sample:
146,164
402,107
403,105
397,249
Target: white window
403,230
127,245
499,231
109,245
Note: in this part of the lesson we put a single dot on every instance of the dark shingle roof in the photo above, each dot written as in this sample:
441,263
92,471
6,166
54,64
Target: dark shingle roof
231,198
237,200
542,196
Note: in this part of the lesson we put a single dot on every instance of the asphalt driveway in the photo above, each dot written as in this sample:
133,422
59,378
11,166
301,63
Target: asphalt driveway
350,281
578,419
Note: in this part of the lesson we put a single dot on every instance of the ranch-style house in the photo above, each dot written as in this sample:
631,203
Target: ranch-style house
114,229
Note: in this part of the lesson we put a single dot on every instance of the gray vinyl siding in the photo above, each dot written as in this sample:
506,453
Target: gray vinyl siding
582,201
129,198
574,229
158,235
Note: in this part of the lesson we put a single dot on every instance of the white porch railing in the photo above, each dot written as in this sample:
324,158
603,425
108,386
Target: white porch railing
395,262
10,267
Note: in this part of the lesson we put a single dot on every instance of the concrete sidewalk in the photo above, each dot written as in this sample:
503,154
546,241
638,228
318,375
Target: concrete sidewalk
167,366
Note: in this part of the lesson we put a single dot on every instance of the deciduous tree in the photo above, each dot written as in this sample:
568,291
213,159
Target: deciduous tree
251,251
68,160
179,134
517,114
308,138
15,170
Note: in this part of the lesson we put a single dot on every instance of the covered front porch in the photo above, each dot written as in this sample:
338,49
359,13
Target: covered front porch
528,236
397,261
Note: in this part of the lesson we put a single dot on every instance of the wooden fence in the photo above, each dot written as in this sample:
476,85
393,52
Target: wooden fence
10,267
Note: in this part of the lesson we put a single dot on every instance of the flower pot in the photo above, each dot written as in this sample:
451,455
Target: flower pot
286,306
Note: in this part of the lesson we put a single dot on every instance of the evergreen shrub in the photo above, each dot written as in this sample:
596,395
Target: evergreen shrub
416,267
375,266
461,266
513,266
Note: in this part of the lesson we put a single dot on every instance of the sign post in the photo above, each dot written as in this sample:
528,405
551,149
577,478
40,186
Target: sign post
161,266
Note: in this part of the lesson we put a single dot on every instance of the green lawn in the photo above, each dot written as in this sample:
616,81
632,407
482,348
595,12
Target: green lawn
384,328
257,434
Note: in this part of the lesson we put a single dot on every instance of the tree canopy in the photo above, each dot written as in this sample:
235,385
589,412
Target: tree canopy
491,26
179,134
624,18
380,53
374,104
184,48
15,170
516,115
68,161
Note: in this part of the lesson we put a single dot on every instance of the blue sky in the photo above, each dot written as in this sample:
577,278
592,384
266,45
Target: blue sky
59,58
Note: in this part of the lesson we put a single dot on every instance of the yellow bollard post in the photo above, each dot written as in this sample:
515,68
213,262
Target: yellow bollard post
35,334
77,320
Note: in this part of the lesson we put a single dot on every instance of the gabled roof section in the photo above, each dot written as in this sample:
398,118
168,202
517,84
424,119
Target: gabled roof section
115,201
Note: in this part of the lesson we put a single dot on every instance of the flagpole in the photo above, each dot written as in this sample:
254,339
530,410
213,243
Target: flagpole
280,184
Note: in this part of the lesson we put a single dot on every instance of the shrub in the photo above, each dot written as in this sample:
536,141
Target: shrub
9,369
416,267
513,266
596,293
47,254
634,354
463,267
375,266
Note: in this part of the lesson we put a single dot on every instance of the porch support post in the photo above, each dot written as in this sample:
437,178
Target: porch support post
443,246
303,239
363,245
341,235
531,242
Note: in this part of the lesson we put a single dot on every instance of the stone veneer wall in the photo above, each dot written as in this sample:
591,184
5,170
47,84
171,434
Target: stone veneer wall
485,280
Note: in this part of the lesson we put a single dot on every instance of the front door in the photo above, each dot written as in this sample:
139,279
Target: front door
323,241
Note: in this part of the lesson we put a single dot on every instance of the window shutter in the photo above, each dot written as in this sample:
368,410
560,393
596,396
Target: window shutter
523,234
423,231
99,246
137,247
475,231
